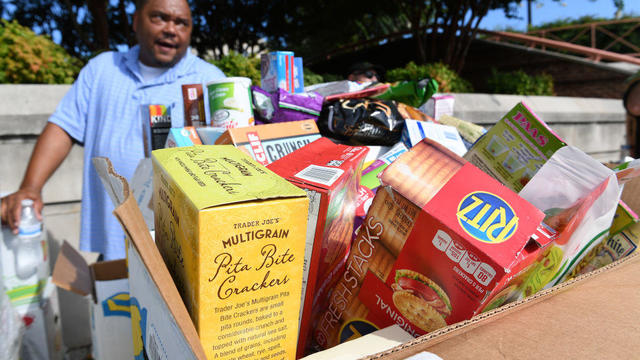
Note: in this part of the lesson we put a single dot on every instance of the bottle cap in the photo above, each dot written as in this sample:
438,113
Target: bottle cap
27,202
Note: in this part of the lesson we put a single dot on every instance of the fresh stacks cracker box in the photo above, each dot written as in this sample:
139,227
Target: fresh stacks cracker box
106,283
330,174
232,234
515,148
435,249
269,142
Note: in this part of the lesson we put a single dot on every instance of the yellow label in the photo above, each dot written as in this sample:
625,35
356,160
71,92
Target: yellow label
238,265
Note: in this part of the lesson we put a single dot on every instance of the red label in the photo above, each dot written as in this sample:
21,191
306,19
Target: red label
256,147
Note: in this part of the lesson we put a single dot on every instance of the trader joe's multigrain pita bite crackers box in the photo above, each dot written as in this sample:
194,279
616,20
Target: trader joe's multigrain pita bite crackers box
232,234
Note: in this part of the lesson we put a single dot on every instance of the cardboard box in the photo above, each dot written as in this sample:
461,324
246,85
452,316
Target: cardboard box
209,134
160,324
595,299
232,234
107,285
269,142
439,105
330,174
156,123
186,136
515,148
545,325
279,69
434,249
193,97
414,131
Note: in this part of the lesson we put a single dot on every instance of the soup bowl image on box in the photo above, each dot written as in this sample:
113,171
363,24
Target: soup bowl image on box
232,234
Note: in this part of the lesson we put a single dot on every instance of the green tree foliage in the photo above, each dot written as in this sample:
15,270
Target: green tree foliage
85,27
235,64
447,79
28,58
519,83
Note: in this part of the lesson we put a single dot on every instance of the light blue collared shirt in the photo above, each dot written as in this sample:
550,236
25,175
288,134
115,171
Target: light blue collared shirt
102,112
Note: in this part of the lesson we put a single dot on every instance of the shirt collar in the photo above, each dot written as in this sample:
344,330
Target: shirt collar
182,68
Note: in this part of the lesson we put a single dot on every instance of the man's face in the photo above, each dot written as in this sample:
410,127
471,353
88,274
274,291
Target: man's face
163,30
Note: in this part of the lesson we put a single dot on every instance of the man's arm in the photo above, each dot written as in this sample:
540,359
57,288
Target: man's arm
51,149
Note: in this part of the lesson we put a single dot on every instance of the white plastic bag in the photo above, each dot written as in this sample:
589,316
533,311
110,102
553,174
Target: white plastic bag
11,326
579,195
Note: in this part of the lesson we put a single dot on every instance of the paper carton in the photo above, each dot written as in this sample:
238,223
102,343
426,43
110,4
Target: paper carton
160,324
438,105
434,249
107,285
232,234
278,71
156,123
193,97
330,174
269,142
186,136
414,131
515,148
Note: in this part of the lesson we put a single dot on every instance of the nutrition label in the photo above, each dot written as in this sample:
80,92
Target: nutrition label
253,329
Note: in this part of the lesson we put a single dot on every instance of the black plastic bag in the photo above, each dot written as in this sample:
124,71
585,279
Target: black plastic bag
362,121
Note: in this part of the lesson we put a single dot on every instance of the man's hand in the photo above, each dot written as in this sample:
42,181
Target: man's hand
12,206
50,150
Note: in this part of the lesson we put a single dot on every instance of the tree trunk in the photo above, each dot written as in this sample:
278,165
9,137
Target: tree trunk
98,10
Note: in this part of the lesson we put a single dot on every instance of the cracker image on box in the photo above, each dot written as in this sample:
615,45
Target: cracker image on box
232,234
420,300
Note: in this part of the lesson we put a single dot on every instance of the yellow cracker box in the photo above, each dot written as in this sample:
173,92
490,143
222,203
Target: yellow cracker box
232,234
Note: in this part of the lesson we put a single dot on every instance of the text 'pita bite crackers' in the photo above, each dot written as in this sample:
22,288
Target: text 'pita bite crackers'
232,234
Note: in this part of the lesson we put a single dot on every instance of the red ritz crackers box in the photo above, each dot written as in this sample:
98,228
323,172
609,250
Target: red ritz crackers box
330,174
441,242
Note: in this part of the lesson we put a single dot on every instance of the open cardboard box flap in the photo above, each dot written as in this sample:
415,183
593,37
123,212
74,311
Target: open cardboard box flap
132,221
71,272
592,316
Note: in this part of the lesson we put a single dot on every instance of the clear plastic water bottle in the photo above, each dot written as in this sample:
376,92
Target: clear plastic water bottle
28,250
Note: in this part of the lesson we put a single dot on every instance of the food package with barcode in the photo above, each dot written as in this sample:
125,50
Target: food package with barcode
441,242
414,131
330,174
232,234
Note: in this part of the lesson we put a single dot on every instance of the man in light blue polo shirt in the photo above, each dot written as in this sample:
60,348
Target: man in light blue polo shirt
102,113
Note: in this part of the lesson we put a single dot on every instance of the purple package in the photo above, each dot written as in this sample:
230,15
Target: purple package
293,107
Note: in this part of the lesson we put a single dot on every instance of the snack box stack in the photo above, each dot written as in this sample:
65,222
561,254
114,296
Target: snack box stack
269,142
232,234
515,148
329,173
435,249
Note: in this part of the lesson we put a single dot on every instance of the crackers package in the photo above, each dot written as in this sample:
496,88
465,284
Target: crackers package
269,142
330,174
515,148
232,234
442,241
156,124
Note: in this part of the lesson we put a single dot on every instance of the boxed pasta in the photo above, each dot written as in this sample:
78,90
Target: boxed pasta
232,234
329,173
434,249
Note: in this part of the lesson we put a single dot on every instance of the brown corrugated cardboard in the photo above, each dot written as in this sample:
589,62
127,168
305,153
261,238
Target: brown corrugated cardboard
592,316
153,292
